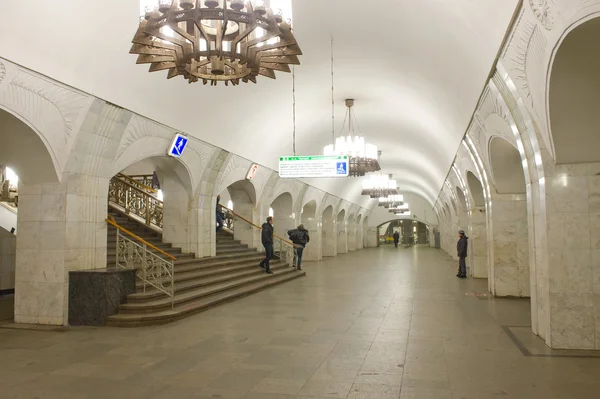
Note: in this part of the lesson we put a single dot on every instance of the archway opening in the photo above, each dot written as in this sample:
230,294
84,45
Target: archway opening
507,167
328,232
510,232
476,189
283,214
574,96
26,161
151,197
342,233
351,229
239,205
308,218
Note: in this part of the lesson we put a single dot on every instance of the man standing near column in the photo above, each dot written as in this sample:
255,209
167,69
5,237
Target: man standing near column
461,248
267,242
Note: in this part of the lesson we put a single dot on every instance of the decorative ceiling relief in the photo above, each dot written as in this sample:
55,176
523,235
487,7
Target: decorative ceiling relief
544,12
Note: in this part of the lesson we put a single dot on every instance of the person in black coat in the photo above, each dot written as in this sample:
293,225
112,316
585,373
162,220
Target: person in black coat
462,248
396,239
220,215
267,242
300,238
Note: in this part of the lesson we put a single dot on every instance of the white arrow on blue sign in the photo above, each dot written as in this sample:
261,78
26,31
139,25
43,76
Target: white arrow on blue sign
178,146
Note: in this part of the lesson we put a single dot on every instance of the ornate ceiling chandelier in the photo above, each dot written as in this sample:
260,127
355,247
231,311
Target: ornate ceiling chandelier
216,40
392,201
400,210
379,186
363,156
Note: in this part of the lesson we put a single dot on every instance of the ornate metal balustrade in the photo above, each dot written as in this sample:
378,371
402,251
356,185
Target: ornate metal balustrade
133,199
153,266
145,180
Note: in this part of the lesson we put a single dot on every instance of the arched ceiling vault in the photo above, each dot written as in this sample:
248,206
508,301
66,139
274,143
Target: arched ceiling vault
415,68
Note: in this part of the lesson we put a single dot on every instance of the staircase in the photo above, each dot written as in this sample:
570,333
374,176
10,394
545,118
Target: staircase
199,283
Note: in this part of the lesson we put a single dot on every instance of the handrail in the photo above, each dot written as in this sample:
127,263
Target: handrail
252,224
111,220
145,187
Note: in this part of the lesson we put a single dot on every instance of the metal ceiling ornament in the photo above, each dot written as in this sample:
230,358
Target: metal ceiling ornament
391,201
213,41
363,156
379,186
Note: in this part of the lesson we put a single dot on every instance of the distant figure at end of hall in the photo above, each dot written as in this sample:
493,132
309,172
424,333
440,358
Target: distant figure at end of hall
396,238
461,248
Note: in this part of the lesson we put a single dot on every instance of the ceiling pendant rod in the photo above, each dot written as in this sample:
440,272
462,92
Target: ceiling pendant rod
332,98
294,108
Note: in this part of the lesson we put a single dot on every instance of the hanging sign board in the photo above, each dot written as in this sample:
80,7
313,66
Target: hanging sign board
252,172
314,166
178,145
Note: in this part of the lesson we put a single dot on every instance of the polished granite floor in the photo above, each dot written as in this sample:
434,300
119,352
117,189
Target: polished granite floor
378,323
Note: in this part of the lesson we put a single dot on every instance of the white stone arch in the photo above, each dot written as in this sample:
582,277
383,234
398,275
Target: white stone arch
54,111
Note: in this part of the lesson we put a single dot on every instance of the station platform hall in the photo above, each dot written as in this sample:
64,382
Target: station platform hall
295,199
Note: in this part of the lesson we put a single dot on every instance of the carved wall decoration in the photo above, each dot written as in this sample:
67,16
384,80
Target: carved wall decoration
2,72
544,12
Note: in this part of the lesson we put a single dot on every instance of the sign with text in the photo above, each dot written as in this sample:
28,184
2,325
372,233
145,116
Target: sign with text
314,166
178,146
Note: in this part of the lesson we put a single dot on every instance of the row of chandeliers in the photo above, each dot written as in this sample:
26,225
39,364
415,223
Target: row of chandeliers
233,41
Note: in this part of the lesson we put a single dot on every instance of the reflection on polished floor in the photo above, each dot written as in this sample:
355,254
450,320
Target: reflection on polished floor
378,323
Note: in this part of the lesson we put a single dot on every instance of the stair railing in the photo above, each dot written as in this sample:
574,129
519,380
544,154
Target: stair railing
283,249
134,252
135,199
146,180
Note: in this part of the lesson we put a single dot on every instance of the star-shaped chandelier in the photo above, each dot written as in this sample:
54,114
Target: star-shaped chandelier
379,186
363,156
213,41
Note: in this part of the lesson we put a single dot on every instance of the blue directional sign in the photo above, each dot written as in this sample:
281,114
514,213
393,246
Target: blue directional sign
178,145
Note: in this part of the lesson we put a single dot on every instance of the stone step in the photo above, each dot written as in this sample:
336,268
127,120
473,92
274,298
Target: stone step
193,281
234,250
222,257
202,303
164,302
216,263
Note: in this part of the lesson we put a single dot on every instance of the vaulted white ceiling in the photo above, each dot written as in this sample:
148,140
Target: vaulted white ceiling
415,69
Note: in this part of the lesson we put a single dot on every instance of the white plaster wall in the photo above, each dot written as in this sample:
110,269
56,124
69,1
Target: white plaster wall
8,217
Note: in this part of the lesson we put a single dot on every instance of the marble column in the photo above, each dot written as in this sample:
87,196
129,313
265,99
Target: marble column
177,213
478,244
61,228
508,238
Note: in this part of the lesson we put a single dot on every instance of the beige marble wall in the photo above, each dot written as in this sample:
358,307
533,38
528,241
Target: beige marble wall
8,250
573,234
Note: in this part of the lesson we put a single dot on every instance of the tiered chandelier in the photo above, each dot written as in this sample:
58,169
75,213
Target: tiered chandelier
215,40
392,201
400,210
379,186
363,156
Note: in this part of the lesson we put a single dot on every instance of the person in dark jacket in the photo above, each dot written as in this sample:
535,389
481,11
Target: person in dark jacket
396,239
461,248
220,215
300,238
267,242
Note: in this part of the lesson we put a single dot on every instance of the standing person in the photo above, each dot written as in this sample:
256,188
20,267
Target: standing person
220,215
396,238
267,242
300,238
461,248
